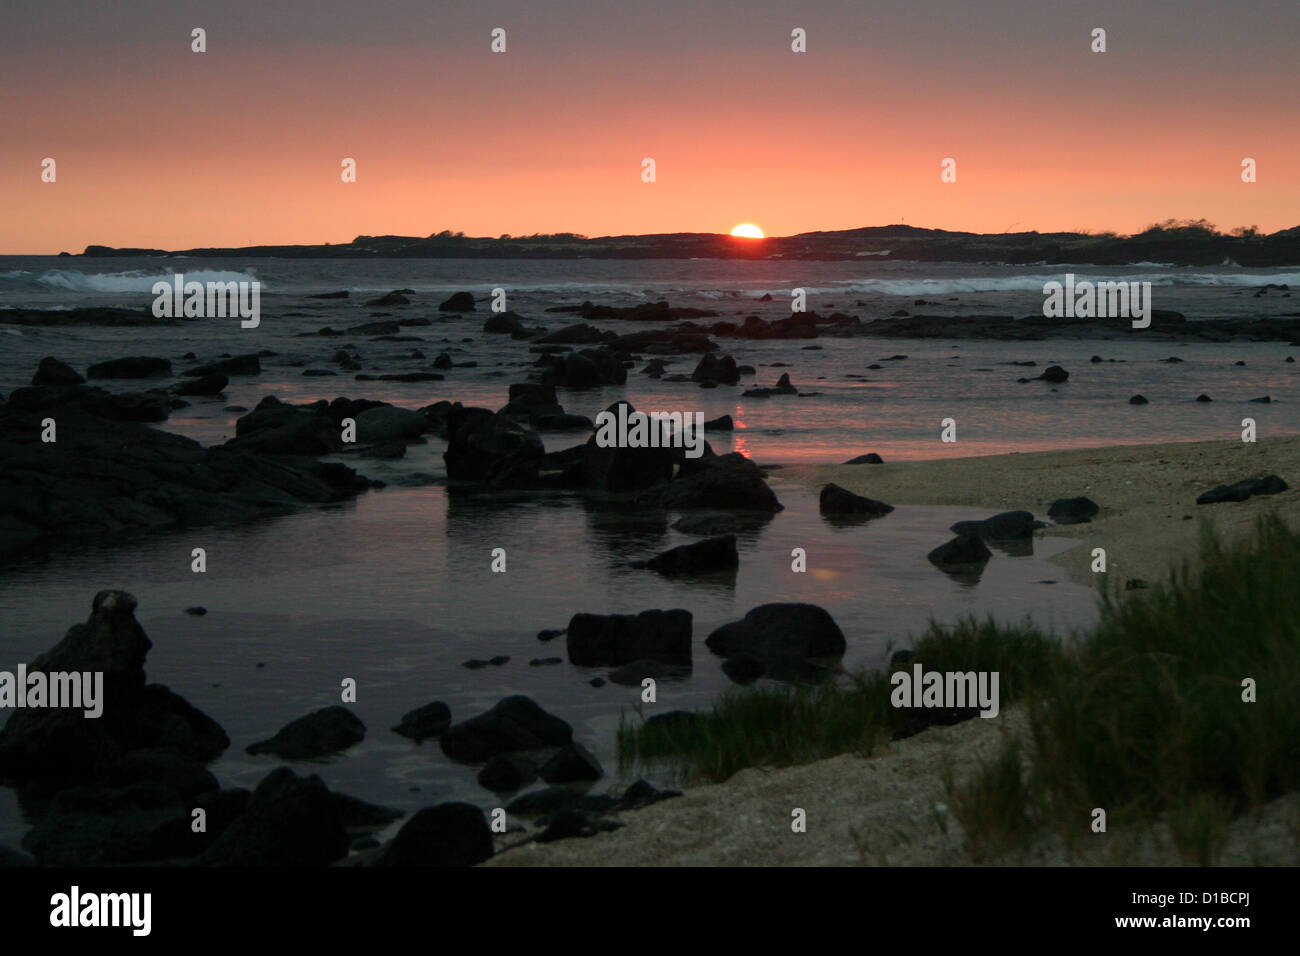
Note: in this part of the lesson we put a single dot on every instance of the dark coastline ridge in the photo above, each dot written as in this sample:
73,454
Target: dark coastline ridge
1179,243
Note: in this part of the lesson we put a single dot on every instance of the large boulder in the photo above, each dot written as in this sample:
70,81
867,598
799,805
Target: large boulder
588,368
1072,510
64,400
450,834
51,371
963,551
290,821
728,482
424,722
572,763
720,370
275,428
780,631
97,826
504,323
61,745
488,448
515,723
457,302
594,640
699,557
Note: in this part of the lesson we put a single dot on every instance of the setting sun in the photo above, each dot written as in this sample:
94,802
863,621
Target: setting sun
747,230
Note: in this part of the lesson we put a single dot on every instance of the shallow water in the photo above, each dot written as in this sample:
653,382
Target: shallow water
396,592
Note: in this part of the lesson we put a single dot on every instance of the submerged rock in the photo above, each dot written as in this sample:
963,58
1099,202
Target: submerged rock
701,557
424,722
449,834
612,640
289,821
318,734
781,630
514,723
962,551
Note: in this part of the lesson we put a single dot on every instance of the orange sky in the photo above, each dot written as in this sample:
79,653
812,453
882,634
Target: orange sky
243,145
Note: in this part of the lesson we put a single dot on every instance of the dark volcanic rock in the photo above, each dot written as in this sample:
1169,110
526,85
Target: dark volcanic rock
95,826
588,368
1007,526
1138,400
213,384
780,630
488,448
728,482
130,368
51,371
743,668
289,821
396,297
1054,374
424,722
458,302
700,557
572,763
515,723
836,501
1072,510
962,551
1241,490
504,323
108,477
718,369
60,745
722,423
318,734
869,459
279,429
615,639
507,772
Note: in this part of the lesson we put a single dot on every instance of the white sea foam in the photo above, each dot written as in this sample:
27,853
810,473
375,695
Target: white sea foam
73,280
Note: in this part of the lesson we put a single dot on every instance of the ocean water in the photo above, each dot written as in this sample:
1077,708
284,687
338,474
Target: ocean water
394,589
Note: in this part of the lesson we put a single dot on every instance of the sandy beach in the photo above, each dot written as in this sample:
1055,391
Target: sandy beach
1149,519
890,809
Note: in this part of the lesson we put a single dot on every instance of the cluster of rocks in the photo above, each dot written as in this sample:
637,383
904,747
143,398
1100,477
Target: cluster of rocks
502,450
108,473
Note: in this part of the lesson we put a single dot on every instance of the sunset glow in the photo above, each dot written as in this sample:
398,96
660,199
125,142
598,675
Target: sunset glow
747,230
